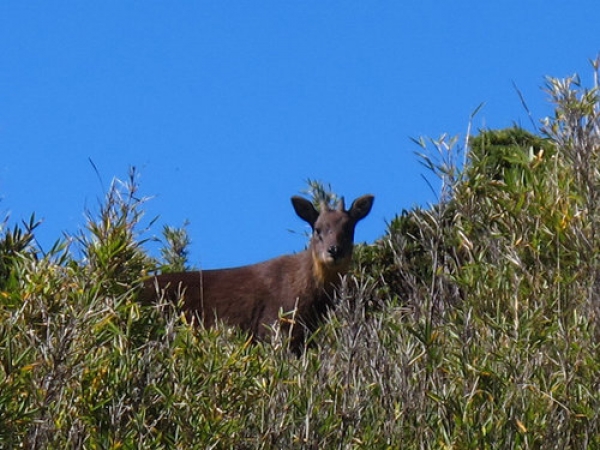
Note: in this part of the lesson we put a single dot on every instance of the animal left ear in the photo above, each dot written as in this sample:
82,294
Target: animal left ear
361,207
305,209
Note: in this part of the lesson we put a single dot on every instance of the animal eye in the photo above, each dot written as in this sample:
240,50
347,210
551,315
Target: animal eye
318,231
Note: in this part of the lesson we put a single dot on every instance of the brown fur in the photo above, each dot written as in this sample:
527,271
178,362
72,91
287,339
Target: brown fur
299,288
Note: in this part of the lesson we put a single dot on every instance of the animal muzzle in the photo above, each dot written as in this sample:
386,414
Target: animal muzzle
335,252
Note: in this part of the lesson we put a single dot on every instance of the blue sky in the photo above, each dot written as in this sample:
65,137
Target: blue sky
226,108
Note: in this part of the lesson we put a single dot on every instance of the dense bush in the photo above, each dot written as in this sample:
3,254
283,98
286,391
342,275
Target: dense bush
472,323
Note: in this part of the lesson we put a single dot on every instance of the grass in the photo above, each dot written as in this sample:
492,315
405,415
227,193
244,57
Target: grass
473,323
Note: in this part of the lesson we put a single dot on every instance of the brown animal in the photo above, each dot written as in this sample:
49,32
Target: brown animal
297,288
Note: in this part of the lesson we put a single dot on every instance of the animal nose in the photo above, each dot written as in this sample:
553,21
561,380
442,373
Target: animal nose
334,251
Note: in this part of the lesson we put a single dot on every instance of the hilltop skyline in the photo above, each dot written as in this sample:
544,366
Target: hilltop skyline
227,109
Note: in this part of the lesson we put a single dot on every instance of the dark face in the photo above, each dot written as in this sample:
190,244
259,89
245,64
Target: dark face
333,237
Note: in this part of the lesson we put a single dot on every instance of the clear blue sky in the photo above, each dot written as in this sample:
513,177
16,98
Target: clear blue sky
226,108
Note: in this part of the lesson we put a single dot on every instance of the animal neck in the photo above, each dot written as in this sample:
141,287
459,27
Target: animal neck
327,276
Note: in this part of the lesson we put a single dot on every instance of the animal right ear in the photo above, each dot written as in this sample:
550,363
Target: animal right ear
305,210
361,207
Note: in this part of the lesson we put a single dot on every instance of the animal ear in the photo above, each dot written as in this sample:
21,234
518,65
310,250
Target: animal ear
305,210
361,207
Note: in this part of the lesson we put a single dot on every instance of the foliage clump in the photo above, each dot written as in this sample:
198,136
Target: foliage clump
471,323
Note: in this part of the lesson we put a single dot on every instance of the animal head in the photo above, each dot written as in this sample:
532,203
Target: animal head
332,238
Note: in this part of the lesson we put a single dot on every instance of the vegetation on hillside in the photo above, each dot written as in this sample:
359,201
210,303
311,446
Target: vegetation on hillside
472,323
